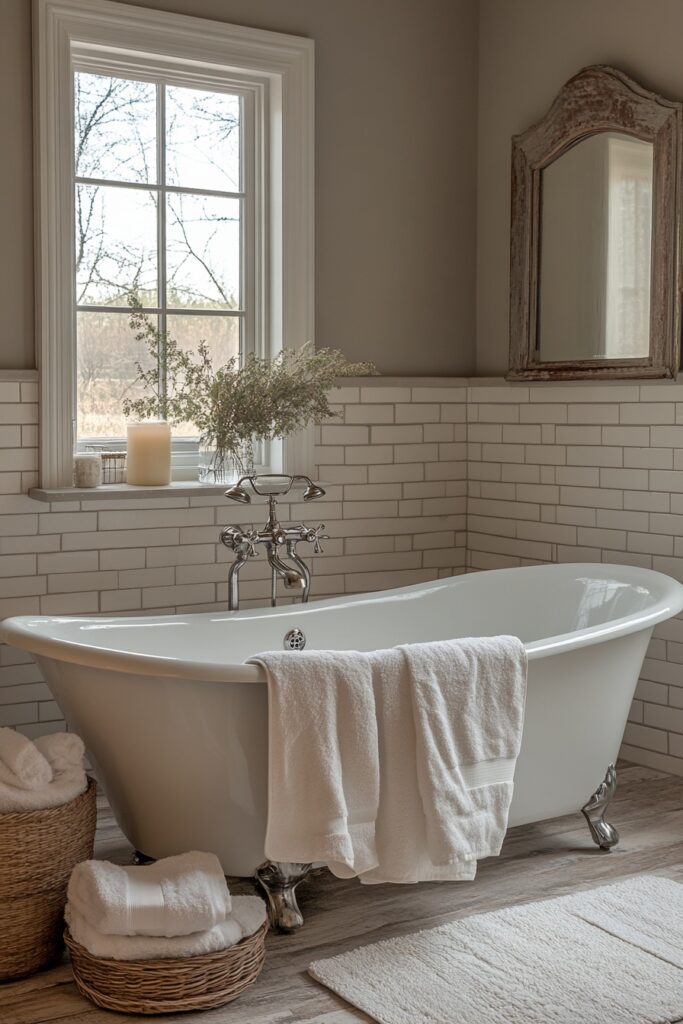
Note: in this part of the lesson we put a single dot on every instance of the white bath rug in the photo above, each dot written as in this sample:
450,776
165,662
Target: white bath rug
613,955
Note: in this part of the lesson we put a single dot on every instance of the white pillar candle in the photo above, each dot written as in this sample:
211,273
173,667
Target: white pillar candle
87,470
149,453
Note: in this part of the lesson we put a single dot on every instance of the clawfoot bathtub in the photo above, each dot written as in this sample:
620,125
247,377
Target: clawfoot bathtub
176,724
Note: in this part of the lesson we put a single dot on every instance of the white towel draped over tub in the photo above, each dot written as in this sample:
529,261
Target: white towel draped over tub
323,758
394,765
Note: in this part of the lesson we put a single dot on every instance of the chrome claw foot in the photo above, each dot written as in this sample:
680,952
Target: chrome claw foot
279,882
603,834
141,859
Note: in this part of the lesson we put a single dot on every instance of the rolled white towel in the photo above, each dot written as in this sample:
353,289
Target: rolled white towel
65,786
62,750
248,914
21,763
174,896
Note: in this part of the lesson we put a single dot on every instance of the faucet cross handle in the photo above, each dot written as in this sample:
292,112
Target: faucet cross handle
240,540
250,540
315,536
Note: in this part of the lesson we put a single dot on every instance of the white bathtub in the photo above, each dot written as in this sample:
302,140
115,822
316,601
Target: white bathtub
176,724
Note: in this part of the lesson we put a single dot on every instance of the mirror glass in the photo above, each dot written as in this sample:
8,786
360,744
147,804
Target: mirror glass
595,251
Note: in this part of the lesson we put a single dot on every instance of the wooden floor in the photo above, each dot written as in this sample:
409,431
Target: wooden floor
538,861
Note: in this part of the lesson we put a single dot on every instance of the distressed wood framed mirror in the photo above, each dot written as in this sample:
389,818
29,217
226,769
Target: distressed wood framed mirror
595,253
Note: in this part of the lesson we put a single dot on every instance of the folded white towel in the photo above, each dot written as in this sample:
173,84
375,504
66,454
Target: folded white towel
250,912
322,751
174,896
21,764
247,916
65,786
63,750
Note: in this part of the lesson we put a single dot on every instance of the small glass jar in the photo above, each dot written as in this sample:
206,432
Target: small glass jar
224,467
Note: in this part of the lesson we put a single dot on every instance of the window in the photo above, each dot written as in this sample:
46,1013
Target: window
164,200
175,162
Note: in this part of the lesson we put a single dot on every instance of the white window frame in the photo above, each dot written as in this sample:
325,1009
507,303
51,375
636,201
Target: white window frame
70,33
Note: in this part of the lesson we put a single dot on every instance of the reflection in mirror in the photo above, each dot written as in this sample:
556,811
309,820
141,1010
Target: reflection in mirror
595,251
596,242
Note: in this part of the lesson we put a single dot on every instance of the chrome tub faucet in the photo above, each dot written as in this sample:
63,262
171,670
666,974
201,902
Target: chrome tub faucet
280,541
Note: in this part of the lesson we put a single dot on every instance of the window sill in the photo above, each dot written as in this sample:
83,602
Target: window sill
115,492
177,489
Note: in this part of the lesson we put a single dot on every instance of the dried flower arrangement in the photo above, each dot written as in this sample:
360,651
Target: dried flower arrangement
234,405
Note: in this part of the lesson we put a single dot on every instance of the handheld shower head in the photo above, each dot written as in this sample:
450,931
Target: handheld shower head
313,491
238,493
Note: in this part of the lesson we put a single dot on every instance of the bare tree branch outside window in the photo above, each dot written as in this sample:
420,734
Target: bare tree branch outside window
123,209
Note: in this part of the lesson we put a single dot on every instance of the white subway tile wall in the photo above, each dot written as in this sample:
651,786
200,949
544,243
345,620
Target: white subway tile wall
602,483
425,479
394,467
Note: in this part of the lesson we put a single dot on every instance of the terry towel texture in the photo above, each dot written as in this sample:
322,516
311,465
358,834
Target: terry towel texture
247,915
64,750
65,786
62,755
394,765
322,719
21,763
174,896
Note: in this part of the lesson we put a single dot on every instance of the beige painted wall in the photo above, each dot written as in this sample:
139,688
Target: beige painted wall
16,187
527,49
395,166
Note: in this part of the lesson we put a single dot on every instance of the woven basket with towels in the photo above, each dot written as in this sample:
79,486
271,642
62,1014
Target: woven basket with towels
47,825
38,850
169,986
164,938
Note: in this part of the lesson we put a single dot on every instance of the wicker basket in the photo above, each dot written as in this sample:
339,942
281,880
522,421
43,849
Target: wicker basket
169,986
38,851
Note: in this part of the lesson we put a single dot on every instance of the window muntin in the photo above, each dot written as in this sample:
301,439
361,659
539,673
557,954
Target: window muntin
163,189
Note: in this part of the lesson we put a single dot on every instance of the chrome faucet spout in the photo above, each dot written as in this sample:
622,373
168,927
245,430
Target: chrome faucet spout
233,583
293,579
302,567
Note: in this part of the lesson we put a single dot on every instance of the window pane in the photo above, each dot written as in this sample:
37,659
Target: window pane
222,336
107,353
203,251
115,124
116,245
202,139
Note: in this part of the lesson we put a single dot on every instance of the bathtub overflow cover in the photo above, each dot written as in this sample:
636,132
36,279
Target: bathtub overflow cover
294,640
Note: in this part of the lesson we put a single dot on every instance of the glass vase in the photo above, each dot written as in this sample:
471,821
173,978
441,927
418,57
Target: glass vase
224,467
